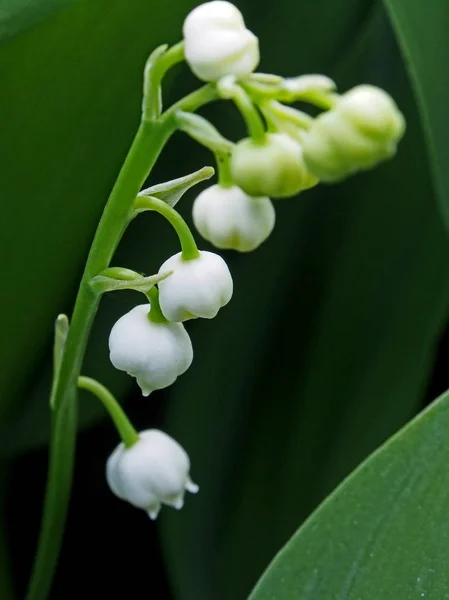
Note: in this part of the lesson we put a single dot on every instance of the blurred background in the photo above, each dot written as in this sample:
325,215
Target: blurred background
334,339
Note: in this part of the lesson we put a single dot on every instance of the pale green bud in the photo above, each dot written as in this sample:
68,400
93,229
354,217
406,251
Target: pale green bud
360,131
272,167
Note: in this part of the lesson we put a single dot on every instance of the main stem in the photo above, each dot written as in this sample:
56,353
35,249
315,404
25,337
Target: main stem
147,145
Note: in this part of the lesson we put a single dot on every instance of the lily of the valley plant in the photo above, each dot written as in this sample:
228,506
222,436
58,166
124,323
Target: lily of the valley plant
285,153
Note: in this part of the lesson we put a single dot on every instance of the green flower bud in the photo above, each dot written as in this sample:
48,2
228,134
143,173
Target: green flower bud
360,131
272,167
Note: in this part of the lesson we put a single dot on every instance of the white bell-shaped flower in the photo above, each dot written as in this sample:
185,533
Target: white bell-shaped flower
230,219
217,42
154,471
196,288
154,353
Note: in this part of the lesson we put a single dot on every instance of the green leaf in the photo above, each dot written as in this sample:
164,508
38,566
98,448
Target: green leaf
384,533
172,191
201,130
422,31
60,338
306,372
116,278
61,333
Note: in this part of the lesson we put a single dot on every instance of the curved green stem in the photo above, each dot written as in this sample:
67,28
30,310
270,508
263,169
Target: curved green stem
147,145
57,496
124,427
205,94
186,239
256,128
283,92
223,160
156,315
152,106
324,100
169,59
254,122
277,112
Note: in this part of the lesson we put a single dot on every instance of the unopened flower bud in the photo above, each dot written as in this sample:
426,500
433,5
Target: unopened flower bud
198,287
217,42
273,167
154,353
154,471
230,219
360,131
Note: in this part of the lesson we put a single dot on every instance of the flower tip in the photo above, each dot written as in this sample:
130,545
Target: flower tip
178,503
145,388
153,513
191,487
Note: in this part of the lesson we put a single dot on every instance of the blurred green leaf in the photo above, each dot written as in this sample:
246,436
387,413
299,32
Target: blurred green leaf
422,33
17,15
307,372
384,533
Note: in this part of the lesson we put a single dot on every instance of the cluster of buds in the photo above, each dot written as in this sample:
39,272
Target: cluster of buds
286,152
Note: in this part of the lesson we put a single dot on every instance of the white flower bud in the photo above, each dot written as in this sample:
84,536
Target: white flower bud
360,131
217,42
154,471
230,219
154,353
196,288
273,167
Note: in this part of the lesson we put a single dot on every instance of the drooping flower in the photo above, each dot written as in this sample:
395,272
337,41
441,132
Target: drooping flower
217,43
154,353
197,287
230,219
154,471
